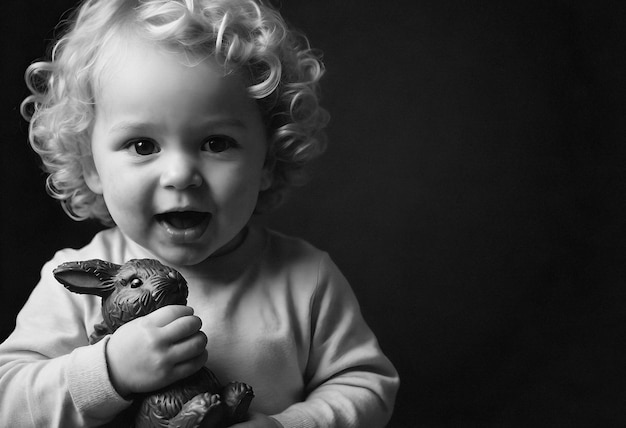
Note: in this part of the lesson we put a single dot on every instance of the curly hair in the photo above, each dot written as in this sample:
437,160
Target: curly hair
283,75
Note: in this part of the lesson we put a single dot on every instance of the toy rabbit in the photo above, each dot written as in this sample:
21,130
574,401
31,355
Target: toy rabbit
137,288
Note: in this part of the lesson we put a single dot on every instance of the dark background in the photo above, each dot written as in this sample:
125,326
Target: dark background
472,193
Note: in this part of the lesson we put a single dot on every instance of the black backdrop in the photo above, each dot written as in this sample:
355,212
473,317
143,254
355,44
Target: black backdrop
472,194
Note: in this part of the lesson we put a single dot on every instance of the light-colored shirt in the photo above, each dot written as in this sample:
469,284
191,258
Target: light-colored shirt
278,315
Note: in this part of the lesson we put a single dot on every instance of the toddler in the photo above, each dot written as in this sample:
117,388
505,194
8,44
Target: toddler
173,122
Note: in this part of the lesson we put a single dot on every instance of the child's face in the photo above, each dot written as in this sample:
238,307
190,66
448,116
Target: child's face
179,154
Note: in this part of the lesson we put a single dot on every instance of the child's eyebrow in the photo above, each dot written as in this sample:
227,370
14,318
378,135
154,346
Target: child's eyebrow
231,122
225,122
128,126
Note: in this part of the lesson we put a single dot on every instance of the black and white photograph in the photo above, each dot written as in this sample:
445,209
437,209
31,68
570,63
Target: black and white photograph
313,214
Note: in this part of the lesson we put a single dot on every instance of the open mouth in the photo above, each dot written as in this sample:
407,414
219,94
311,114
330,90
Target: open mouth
183,219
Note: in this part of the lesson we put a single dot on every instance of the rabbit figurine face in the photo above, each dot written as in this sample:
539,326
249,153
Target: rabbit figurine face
128,291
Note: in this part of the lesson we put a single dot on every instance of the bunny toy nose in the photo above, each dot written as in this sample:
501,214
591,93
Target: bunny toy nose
175,278
178,279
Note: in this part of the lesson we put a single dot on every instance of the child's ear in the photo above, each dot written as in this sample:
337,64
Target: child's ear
266,179
92,178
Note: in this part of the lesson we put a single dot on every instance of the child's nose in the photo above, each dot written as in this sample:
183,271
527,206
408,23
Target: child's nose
181,172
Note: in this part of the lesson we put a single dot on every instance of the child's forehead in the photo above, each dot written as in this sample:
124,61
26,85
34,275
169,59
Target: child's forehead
144,86
119,47
122,51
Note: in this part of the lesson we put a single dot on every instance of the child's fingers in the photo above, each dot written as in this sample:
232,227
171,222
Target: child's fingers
188,348
180,328
190,366
165,315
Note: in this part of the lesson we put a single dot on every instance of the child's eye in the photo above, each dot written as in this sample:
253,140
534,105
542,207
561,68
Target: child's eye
218,144
144,147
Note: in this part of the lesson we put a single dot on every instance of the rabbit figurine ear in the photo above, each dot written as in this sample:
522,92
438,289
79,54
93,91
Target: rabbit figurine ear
87,277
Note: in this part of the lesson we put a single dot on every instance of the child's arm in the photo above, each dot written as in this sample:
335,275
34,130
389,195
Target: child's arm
350,383
49,375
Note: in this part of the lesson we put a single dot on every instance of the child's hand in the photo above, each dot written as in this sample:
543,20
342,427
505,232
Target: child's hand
156,350
258,420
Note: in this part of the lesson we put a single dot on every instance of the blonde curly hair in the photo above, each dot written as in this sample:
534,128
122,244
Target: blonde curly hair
247,35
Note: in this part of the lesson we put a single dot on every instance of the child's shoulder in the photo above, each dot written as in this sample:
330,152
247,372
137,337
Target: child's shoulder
293,247
306,270
108,244
295,253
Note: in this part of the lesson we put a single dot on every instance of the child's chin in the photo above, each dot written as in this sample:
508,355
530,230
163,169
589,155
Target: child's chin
182,257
